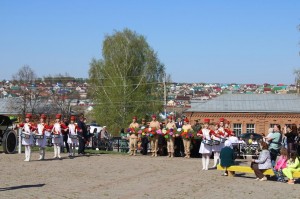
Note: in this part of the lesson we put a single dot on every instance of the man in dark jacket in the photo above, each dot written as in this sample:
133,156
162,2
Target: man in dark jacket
82,135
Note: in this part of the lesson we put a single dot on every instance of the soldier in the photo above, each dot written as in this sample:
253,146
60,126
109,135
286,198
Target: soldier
186,141
154,125
171,127
41,139
57,139
133,136
72,136
27,136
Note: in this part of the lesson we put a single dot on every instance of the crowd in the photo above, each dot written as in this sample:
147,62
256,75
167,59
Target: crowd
279,150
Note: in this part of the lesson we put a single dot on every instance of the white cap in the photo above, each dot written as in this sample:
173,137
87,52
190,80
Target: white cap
104,126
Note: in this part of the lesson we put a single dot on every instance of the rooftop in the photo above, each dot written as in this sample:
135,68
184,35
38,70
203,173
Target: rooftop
272,103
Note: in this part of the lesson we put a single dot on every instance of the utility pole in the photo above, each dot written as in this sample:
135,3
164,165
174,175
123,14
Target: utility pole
165,95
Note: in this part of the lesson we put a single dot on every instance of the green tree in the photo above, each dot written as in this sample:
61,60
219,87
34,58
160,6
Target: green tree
128,80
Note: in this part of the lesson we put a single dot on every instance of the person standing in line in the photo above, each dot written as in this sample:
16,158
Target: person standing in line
133,137
65,133
154,125
27,135
178,143
82,134
170,140
72,136
57,139
187,128
145,140
205,148
216,145
42,141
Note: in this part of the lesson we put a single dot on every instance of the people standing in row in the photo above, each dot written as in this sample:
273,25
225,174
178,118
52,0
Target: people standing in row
154,140
42,140
186,140
205,149
171,126
27,134
133,136
57,139
72,136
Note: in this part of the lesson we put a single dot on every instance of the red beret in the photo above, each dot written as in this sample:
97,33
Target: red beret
153,116
58,116
206,120
43,116
222,119
72,118
28,115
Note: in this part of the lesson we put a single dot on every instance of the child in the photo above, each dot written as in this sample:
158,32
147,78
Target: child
281,164
293,165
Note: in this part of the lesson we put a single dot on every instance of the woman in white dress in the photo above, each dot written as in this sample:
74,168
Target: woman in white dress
206,144
217,146
72,140
57,138
42,141
27,136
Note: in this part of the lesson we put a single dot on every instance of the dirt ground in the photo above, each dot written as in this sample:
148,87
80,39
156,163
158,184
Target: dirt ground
122,176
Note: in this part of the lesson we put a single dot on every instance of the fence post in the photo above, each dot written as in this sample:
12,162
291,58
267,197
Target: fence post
20,141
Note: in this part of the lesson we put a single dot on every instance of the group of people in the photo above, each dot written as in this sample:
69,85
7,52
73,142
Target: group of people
279,152
174,132
62,133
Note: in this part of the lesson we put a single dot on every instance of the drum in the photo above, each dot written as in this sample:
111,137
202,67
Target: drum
39,136
55,136
73,136
222,140
25,136
215,142
207,142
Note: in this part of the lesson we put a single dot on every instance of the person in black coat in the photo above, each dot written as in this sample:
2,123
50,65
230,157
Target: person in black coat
82,135
178,143
65,133
227,156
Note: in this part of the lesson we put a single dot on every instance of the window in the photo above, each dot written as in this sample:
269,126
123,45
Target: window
250,128
237,128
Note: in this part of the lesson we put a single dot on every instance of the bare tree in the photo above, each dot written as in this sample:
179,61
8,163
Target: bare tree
29,94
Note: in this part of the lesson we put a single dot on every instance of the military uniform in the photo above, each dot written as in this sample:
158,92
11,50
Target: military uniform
133,138
187,141
41,142
170,140
154,141
27,136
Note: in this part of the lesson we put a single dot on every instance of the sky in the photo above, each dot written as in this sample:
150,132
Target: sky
232,41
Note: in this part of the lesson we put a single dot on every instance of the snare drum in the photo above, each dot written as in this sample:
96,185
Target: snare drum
39,136
73,136
222,140
25,136
215,142
207,142
55,136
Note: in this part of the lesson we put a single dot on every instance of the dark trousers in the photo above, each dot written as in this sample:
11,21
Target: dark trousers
258,172
178,147
65,140
81,146
145,145
273,153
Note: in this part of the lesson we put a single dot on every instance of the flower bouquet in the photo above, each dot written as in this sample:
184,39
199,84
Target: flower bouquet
168,133
133,131
150,132
187,134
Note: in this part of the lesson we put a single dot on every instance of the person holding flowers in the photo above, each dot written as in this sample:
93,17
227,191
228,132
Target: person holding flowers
205,148
133,130
153,127
187,135
169,135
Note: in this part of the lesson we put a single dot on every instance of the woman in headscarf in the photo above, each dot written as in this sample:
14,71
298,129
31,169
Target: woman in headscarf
227,156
